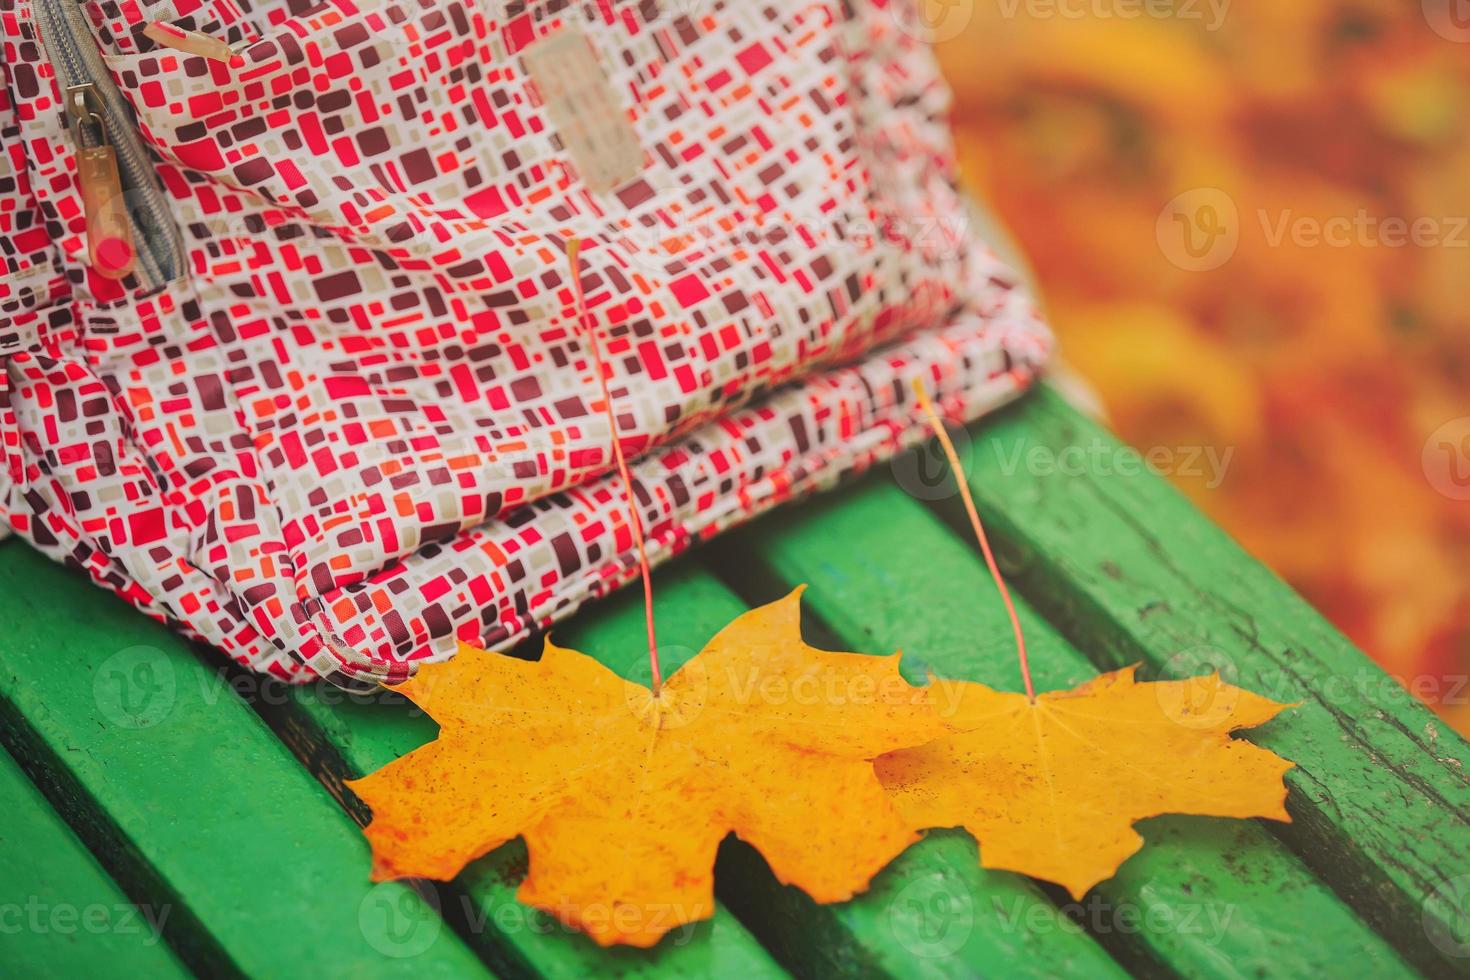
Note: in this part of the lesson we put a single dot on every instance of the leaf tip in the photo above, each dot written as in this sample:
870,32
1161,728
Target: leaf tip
1078,893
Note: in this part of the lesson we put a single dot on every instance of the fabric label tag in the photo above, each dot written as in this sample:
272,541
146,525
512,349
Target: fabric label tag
581,101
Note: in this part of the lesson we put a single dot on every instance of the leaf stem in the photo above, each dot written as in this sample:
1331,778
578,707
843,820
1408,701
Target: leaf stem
589,330
963,484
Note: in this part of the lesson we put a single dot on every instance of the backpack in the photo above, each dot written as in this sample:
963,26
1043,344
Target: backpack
288,352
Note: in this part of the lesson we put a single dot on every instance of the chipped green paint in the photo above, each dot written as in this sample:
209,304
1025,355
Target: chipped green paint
188,799
343,736
932,913
1224,898
196,804
1131,571
61,916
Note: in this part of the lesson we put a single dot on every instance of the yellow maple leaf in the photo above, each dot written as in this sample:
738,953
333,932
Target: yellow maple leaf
623,797
1052,789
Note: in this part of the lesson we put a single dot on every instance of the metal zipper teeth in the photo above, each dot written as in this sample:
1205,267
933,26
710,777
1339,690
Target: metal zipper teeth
78,62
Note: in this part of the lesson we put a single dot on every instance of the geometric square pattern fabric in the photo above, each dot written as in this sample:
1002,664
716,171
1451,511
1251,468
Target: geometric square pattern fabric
363,424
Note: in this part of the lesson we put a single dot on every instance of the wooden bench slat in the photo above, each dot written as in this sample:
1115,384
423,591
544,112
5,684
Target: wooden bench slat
1238,902
1124,564
904,925
342,736
60,914
200,809
189,799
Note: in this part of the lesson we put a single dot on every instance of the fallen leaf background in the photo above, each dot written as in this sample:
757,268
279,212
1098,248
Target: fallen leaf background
1327,367
1052,789
623,799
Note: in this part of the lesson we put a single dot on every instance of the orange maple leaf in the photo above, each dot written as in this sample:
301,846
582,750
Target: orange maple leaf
1051,789
623,797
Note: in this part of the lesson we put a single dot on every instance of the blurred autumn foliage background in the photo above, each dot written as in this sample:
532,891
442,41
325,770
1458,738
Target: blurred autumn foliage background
1247,220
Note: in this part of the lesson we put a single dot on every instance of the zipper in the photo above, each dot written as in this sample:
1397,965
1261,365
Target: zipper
130,228
110,240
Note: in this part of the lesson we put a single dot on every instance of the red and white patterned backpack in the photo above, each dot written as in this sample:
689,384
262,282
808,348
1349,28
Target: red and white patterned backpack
288,352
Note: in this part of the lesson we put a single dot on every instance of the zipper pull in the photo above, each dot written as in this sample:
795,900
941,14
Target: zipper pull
192,42
109,233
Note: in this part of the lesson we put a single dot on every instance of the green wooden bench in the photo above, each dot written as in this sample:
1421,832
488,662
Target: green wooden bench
160,792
